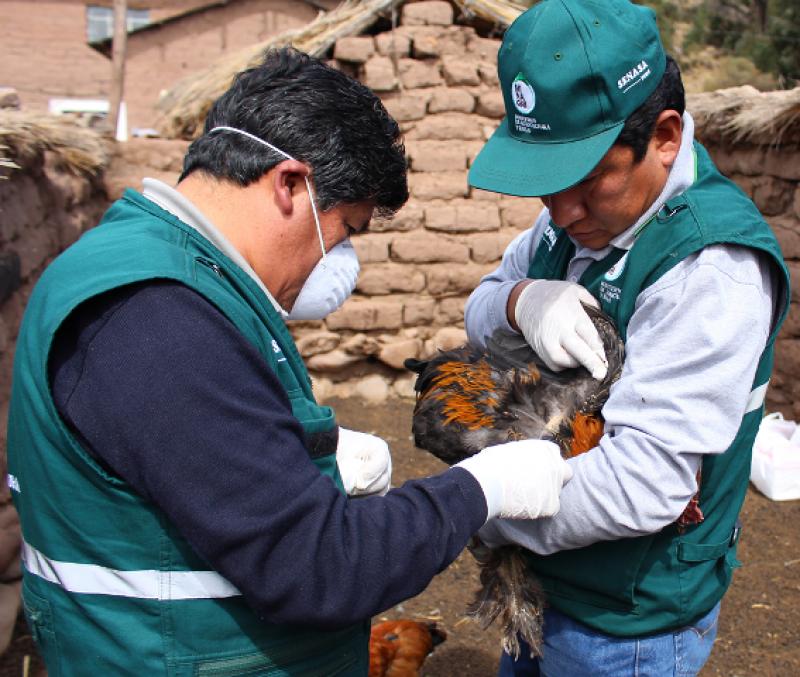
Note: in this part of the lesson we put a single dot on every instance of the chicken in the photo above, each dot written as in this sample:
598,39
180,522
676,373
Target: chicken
398,648
468,399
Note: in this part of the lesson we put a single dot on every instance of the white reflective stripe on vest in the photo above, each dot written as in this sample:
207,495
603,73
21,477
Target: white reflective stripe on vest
756,398
93,579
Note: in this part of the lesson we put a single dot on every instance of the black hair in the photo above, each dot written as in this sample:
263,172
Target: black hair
640,125
316,114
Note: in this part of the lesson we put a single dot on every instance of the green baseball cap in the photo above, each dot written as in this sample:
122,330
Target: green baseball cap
571,72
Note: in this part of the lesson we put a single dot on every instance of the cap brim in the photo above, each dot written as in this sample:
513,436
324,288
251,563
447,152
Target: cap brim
508,165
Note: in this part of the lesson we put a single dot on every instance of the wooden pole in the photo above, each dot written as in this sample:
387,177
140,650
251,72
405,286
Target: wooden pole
118,50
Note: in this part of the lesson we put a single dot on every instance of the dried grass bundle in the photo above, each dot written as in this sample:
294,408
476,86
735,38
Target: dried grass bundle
743,114
24,136
502,12
184,107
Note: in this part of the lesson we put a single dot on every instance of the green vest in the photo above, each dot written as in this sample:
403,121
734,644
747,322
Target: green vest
651,584
110,586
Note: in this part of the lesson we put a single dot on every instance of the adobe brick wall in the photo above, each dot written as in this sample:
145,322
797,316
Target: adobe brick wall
439,81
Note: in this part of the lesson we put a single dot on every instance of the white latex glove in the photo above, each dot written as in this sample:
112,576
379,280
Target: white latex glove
552,320
365,463
521,479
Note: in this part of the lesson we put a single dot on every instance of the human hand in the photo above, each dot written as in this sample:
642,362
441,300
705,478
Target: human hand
365,463
551,318
521,479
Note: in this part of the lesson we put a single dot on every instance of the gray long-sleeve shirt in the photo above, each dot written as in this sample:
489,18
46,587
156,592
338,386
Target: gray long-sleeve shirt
694,342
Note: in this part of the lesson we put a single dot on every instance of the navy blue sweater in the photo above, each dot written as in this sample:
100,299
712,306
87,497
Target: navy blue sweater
160,387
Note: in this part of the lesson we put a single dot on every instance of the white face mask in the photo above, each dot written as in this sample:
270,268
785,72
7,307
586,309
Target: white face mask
334,277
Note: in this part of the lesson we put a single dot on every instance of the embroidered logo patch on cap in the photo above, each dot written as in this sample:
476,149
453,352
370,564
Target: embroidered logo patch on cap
522,95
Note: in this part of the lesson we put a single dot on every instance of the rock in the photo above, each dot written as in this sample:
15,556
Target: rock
453,127
451,310
393,43
463,216
396,352
10,279
378,280
787,230
418,311
773,196
488,73
415,74
411,216
335,360
427,248
485,248
372,389
449,338
428,13
491,105
449,280
519,213
787,356
356,49
484,49
316,343
344,390
448,99
476,194
362,345
434,42
323,388
438,186
371,247
403,387
459,72
379,74
363,315
436,156
405,106
9,98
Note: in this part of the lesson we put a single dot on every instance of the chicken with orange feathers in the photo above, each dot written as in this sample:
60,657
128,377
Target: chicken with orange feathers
399,648
469,399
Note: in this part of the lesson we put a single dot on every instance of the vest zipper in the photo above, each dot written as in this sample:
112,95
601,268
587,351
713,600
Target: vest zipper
208,263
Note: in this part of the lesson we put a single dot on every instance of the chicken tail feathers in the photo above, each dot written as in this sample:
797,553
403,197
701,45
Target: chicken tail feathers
510,595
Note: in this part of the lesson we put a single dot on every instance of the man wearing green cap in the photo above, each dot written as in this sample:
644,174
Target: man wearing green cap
640,223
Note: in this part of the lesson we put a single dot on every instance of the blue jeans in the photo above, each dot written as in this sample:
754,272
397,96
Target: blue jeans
572,649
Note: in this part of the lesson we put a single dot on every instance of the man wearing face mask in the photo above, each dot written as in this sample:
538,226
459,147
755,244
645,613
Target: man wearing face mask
180,490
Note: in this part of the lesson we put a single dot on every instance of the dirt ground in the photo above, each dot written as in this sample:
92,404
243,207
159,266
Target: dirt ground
760,623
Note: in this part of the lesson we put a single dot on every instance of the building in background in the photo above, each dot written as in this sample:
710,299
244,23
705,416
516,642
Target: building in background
60,49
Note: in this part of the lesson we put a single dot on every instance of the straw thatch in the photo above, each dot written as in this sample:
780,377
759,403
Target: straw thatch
185,106
5,162
745,115
80,150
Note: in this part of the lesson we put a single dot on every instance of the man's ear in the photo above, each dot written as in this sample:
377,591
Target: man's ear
287,180
667,136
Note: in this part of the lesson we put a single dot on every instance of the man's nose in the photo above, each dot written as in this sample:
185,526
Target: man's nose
566,207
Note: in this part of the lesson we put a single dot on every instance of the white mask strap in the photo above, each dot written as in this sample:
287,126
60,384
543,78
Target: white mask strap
253,137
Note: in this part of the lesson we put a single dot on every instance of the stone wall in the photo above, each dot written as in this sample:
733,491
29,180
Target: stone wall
770,175
439,81
42,210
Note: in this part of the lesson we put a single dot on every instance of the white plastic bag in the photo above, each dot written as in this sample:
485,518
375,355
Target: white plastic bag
776,459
